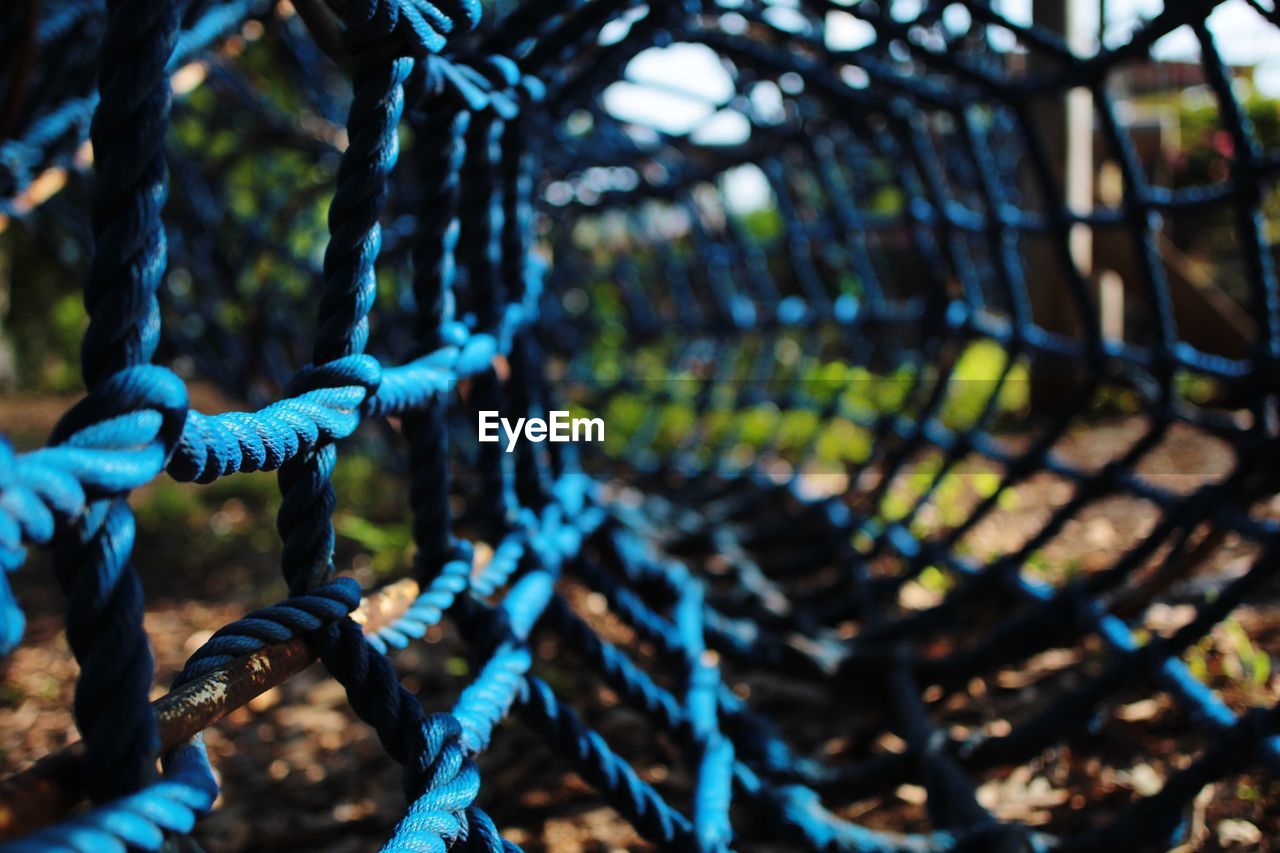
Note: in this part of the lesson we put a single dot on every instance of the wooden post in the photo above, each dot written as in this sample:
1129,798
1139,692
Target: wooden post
1111,305
1065,126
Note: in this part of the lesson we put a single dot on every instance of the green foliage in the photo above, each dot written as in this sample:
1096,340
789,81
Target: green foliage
1205,157
843,441
45,316
981,372
853,396
935,580
171,506
1229,654
388,544
1243,657
1195,388
61,371
373,518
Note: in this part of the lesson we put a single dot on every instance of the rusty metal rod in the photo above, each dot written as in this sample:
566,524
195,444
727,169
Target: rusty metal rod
54,785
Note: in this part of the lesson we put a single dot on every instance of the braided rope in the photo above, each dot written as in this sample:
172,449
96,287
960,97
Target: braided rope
724,564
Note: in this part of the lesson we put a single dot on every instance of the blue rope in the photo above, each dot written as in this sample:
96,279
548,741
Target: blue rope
105,600
438,297
187,790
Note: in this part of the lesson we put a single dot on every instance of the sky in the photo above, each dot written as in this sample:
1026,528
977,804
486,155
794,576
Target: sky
678,88
1243,36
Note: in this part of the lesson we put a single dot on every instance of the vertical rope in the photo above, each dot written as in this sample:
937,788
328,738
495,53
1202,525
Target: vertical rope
104,594
350,284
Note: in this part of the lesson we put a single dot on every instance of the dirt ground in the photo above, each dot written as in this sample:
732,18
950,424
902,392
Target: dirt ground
299,750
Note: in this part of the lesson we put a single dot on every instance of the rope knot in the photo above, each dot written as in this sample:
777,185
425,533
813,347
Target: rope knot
297,615
133,408
422,26
435,761
361,370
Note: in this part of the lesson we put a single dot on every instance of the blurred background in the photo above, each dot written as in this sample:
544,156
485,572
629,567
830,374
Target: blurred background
258,128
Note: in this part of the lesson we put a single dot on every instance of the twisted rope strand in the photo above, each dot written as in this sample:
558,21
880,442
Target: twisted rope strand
908,180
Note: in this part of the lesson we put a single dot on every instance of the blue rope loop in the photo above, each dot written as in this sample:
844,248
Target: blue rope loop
143,820
909,178
296,616
187,789
424,26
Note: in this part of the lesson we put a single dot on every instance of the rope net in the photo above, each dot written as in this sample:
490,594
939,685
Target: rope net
816,402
